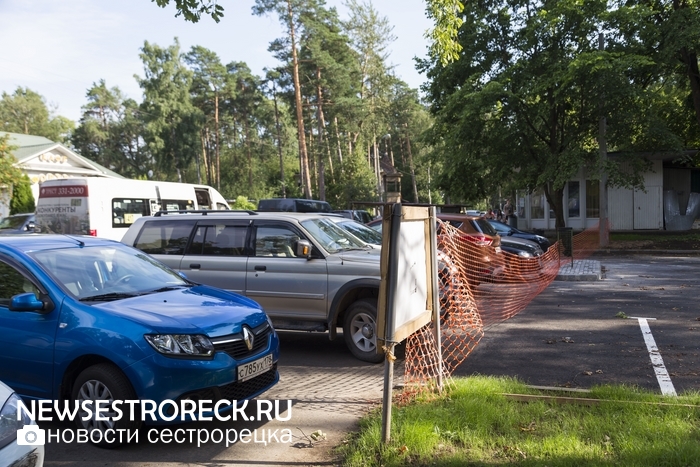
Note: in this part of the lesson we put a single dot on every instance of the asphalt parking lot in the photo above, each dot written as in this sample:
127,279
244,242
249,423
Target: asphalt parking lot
572,335
329,389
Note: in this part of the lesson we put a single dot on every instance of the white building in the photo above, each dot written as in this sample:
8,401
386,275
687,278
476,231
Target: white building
627,209
42,159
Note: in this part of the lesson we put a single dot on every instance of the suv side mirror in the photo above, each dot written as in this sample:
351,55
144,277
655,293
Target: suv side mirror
303,249
31,227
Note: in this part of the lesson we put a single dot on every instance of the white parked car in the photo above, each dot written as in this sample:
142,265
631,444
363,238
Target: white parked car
21,441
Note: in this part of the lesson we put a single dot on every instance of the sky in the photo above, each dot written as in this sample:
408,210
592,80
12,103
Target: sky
60,48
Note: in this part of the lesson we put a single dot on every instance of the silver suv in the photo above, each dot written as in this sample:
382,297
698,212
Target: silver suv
306,272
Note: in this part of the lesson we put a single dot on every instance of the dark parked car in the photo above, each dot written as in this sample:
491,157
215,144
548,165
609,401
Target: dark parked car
521,247
524,260
358,215
17,224
376,224
293,205
477,231
508,231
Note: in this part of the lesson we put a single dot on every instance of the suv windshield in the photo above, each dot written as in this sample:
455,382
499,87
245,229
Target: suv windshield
362,232
331,237
107,271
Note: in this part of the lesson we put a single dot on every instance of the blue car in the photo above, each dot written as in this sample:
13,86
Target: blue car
84,318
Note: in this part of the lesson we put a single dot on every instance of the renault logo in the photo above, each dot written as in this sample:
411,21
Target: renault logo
248,338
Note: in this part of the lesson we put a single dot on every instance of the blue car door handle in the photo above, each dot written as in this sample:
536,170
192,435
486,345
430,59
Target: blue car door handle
195,266
260,268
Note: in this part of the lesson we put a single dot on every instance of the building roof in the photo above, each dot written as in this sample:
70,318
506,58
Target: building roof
28,146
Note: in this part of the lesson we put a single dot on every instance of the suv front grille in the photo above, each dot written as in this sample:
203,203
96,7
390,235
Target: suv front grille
235,346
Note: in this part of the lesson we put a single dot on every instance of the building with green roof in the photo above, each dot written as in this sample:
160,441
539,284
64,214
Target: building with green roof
42,159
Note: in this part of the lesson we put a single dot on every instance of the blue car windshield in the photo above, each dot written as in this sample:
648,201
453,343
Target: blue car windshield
106,270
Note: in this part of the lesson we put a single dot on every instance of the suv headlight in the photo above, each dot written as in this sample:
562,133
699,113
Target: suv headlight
8,421
181,345
525,254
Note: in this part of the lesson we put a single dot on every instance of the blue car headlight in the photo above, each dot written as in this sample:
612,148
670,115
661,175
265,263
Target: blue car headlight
181,345
8,421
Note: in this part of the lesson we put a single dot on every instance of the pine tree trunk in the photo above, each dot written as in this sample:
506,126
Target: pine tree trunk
303,154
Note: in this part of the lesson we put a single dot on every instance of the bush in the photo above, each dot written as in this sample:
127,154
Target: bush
243,203
22,197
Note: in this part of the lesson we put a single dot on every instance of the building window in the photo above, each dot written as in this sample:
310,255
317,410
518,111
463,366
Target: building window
592,198
520,207
574,199
537,205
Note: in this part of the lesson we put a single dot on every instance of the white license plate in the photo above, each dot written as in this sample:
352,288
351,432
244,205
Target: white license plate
254,368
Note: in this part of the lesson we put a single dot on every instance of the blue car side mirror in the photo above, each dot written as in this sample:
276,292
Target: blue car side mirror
26,302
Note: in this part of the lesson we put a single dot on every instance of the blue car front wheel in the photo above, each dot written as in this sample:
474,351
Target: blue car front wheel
104,382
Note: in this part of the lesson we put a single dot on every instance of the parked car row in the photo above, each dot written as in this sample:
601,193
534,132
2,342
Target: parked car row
306,271
229,278
492,237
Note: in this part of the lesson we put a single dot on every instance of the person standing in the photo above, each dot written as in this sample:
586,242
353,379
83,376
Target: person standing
507,211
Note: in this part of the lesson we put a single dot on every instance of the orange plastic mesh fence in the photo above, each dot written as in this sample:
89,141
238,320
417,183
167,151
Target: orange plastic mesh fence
479,285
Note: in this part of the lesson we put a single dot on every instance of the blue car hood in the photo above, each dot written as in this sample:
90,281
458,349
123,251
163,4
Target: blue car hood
200,309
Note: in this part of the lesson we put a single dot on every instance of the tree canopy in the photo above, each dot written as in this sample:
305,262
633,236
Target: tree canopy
521,108
24,111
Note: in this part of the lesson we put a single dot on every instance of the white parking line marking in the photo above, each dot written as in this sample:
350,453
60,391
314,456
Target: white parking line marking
657,362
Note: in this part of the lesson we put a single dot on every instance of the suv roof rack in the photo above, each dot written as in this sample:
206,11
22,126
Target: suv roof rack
207,212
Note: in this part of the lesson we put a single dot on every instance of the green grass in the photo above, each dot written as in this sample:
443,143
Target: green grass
474,424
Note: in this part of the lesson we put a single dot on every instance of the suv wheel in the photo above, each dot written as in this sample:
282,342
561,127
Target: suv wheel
360,330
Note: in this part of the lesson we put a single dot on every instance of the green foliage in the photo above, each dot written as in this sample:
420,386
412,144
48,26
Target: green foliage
474,423
355,183
22,197
9,174
521,108
217,123
26,112
243,203
446,14
110,132
171,128
192,10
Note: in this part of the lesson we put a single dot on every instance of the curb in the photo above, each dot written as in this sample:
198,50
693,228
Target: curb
650,252
590,271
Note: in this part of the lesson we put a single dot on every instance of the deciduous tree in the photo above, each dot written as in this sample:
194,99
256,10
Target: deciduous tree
26,112
522,105
171,123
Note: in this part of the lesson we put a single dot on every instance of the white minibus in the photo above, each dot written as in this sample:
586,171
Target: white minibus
106,207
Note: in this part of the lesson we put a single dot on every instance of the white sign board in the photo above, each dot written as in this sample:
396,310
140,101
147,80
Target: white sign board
408,267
